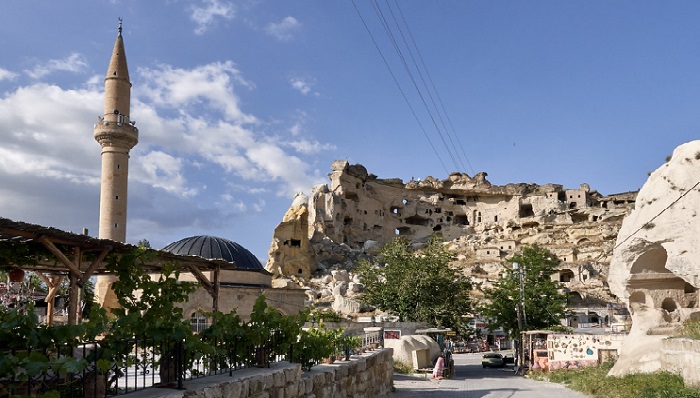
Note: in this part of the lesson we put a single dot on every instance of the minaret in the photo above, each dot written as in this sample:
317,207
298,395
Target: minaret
117,135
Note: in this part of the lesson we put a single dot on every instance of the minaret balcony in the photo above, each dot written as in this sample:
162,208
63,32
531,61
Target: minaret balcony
116,133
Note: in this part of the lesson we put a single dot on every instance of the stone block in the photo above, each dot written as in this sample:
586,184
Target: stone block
267,381
279,379
341,372
231,390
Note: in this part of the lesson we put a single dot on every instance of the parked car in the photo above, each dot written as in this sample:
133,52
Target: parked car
492,360
508,358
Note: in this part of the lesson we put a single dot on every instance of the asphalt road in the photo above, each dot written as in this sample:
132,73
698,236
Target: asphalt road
472,381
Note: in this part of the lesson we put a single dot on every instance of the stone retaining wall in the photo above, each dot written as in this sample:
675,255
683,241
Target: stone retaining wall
364,376
682,356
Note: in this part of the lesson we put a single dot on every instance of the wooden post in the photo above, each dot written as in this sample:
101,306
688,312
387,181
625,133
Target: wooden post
215,300
74,292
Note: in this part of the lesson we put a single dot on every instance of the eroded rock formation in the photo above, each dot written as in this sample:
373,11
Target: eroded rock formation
655,267
357,213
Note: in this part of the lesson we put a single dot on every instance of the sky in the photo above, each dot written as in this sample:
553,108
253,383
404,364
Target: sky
241,104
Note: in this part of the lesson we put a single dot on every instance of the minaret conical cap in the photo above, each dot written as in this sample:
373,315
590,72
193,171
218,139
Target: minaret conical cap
117,64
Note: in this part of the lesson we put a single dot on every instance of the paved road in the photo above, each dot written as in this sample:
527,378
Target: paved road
472,381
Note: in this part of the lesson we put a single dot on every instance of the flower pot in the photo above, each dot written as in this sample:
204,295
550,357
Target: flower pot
16,275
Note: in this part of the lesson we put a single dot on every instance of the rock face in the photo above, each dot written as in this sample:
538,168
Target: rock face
357,213
290,253
655,264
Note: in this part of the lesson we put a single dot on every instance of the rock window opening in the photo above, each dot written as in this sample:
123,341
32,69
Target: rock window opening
403,231
460,202
669,305
526,210
347,221
437,228
300,271
116,197
116,225
404,201
572,205
394,210
417,220
566,275
293,243
495,218
461,220
478,217
438,210
575,299
118,167
352,196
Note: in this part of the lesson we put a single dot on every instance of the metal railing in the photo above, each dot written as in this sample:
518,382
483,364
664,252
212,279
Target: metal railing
102,369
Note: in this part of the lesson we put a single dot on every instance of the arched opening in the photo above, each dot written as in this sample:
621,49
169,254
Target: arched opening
566,275
575,299
669,304
638,300
652,261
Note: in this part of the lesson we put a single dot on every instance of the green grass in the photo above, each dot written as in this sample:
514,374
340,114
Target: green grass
690,329
594,382
402,368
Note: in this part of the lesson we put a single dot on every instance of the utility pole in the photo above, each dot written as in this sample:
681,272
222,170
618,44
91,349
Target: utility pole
521,315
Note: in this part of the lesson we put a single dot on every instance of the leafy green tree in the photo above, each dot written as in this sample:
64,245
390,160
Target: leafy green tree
417,286
543,301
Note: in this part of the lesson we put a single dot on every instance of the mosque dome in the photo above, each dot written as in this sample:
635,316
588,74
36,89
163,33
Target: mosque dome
214,248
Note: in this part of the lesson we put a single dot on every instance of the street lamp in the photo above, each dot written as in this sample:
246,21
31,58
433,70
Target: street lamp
522,318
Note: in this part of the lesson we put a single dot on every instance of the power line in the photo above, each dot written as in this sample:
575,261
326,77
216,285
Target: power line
403,94
408,71
437,94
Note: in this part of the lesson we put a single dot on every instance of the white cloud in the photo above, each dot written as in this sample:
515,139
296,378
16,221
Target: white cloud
307,147
6,74
284,29
205,15
45,133
73,63
162,170
301,85
212,84
200,154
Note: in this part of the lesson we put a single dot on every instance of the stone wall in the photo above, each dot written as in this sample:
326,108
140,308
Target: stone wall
682,356
367,375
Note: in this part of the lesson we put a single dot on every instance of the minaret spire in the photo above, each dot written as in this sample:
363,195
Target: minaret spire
117,134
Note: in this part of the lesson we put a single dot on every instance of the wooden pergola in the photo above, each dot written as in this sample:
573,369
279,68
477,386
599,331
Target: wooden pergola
70,261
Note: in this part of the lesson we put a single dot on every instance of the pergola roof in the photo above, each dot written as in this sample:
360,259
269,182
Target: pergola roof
69,258
25,232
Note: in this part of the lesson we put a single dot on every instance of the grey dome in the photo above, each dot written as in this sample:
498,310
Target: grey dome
214,248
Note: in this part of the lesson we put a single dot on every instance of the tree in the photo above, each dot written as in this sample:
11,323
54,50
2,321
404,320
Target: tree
544,302
417,286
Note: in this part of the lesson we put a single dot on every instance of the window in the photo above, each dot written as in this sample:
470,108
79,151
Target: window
199,322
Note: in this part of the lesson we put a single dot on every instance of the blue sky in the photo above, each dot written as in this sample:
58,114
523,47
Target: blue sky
241,104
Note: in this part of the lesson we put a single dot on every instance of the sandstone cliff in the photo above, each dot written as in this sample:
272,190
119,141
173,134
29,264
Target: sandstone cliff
357,213
655,265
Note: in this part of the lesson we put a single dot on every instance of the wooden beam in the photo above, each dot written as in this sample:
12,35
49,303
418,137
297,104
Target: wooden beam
96,263
62,257
202,279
